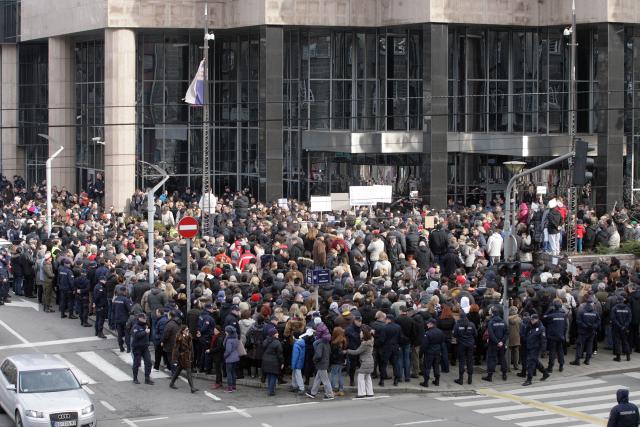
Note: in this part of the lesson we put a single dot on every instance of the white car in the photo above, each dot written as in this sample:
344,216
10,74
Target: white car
41,390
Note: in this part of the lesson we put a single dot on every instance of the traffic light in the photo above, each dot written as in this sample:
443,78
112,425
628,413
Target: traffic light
582,164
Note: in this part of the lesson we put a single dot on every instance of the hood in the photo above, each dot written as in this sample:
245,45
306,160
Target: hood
231,332
70,400
622,395
322,332
156,291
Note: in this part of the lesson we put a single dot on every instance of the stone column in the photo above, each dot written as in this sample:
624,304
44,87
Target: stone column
62,120
271,77
119,117
435,110
12,156
609,107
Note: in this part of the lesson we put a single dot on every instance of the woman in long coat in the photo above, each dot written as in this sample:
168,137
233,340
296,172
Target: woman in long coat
182,357
272,359
365,354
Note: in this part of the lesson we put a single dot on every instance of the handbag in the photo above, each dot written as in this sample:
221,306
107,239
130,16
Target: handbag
241,350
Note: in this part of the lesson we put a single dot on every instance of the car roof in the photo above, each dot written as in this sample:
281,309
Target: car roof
36,362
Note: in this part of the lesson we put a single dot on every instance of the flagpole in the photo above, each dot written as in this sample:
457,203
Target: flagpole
206,161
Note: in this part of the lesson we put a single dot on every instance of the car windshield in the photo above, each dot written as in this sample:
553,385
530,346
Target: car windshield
47,381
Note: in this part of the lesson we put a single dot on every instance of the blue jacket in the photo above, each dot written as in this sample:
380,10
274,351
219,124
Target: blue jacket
65,279
99,297
159,332
497,329
82,284
624,414
139,336
432,341
555,322
120,308
536,339
297,357
621,316
231,354
206,325
465,332
588,320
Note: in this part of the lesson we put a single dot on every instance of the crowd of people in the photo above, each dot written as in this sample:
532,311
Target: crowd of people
405,299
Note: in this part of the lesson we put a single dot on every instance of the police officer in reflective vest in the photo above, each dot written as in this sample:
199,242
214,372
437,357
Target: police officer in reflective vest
536,343
498,334
620,323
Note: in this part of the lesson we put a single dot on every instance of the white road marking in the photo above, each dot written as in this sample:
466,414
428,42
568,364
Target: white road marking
290,405
242,412
88,390
571,392
26,304
16,334
522,415
81,376
419,422
127,358
609,397
481,402
563,386
107,368
370,398
55,342
545,422
501,409
108,405
586,408
212,396
604,415
219,412
129,423
635,375
454,398
265,425
147,420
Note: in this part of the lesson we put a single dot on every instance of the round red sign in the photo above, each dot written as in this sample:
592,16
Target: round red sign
188,227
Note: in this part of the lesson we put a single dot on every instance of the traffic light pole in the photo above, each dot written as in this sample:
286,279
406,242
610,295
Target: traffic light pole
509,228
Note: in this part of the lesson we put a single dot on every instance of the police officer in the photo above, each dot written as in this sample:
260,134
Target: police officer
120,309
536,343
465,334
556,327
588,324
620,323
100,307
432,343
206,325
391,348
140,348
498,334
65,285
624,414
4,282
81,285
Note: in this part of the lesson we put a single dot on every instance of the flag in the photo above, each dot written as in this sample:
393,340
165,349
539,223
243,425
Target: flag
195,93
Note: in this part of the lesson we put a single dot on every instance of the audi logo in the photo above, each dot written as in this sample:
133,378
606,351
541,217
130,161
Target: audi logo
64,416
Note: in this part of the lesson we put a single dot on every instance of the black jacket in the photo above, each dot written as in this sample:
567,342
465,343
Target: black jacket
272,358
438,242
465,332
432,341
624,414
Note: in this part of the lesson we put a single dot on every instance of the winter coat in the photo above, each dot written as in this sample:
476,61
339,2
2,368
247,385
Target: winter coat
365,354
624,414
272,357
319,253
514,330
183,351
438,242
156,298
297,356
321,354
231,343
169,335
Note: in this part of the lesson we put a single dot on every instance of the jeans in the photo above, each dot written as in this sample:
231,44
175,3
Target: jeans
405,358
579,244
17,285
231,374
272,380
337,382
296,379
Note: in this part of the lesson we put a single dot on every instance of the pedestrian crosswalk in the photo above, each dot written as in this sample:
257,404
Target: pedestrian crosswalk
101,366
568,404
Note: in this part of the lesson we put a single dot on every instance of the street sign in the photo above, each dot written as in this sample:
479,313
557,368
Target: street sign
188,227
318,276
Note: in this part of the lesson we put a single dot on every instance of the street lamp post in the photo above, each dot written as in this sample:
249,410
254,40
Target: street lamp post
151,209
48,171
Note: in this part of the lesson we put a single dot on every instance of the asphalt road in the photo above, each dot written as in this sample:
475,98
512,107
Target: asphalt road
576,402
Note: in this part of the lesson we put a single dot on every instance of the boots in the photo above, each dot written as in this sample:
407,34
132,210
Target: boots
488,378
459,381
628,357
545,375
504,376
425,383
575,362
617,358
148,381
527,382
469,380
135,380
436,381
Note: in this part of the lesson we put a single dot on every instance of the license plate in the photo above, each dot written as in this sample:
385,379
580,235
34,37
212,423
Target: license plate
71,423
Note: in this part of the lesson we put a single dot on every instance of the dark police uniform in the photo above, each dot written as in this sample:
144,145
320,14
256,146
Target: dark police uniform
140,349
65,285
624,414
556,327
432,343
120,308
465,333
100,302
81,285
620,323
206,325
588,324
498,334
536,343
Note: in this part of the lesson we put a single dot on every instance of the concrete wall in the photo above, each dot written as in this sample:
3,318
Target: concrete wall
12,156
43,18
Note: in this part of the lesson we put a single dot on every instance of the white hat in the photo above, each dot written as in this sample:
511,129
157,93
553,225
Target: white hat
552,204
464,304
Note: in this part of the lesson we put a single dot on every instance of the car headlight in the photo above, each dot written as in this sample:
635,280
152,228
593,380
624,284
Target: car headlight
34,414
88,410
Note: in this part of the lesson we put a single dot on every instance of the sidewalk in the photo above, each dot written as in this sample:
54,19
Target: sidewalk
601,364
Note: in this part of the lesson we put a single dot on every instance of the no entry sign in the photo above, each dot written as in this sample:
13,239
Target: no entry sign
188,227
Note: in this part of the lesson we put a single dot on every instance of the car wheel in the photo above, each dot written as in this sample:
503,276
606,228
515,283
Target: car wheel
18,420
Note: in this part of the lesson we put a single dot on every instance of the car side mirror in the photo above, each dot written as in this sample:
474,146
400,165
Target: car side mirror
11,387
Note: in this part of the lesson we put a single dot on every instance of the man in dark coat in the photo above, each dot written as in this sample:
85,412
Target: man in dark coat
620,322
465,333
438,243
450,261
431,348
555,322
624,414
391,349
140,348
536,343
